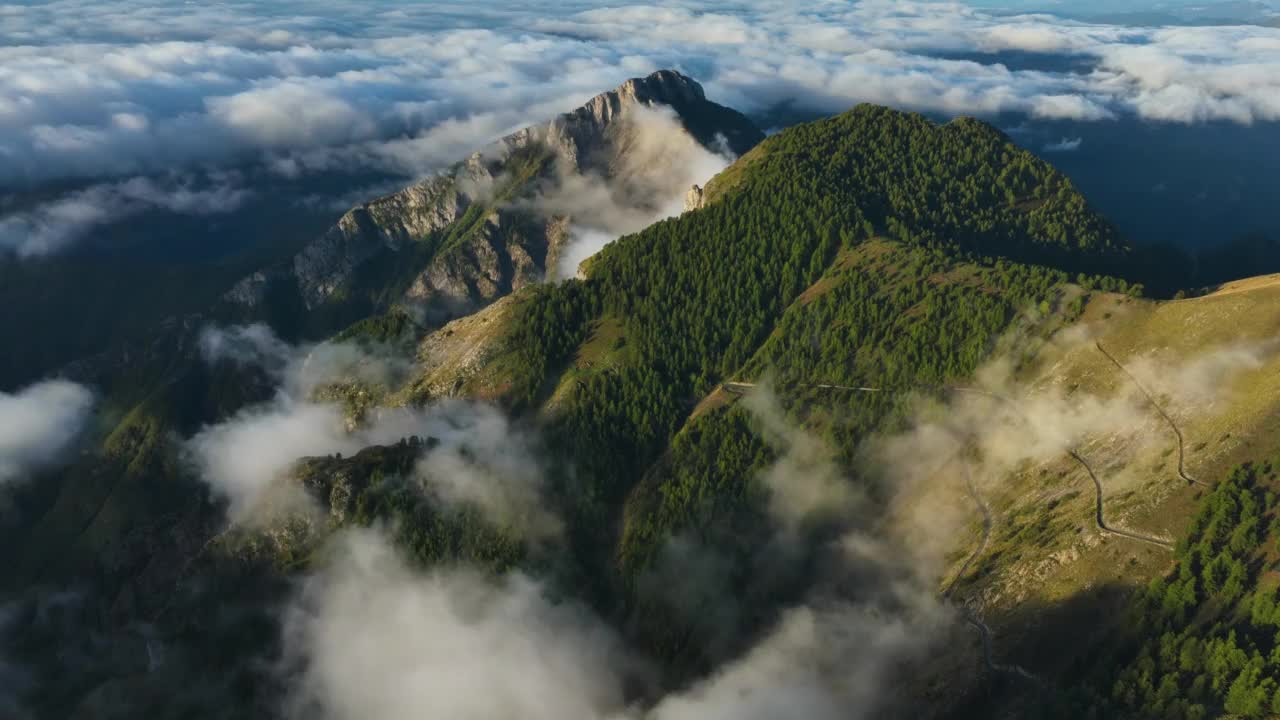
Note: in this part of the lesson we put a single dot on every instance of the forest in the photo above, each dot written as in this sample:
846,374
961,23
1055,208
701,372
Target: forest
1204,640
871,248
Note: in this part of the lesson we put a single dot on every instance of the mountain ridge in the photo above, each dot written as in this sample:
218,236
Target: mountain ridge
500,248
871,249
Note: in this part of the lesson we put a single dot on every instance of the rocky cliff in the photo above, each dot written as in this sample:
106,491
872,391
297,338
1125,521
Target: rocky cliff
488,225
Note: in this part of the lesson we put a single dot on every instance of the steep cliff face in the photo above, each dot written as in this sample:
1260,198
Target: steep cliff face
501,219
386,223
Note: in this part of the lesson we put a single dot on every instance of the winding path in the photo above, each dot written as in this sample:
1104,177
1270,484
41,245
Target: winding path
967,612
985,632
1101,520
1099,515
987,523
1182,471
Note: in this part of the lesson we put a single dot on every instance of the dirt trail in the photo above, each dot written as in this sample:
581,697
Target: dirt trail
1182,471
1099,518
987,523
966,611
985,632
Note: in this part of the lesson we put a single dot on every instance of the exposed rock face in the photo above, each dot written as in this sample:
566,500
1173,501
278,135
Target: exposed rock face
581,138
693,199
492,236
508,251
386,223
457,358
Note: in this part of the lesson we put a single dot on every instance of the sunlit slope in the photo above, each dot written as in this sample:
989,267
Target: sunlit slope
1045,566
1211,364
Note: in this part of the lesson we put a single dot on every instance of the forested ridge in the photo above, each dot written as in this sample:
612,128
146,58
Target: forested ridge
871,248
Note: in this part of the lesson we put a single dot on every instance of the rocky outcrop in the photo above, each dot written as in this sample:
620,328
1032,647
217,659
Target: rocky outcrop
510,250
581,138
457,358
386,223
483,214
694,199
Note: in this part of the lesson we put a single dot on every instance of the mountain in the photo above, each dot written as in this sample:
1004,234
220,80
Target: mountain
839,425
500,220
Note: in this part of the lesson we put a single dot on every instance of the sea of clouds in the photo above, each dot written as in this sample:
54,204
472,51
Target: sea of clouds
106,91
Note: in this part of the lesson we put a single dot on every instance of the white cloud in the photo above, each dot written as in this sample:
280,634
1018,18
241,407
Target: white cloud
242,457
1064,145
56,224
38,424
377,640
478,458
289,114
124,87
484,462
661,164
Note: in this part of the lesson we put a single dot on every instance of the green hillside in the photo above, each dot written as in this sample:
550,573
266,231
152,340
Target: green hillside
875,250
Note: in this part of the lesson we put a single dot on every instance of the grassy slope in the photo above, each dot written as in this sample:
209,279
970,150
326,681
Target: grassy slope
1045,551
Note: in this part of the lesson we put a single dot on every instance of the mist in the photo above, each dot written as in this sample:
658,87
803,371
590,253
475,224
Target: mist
375,639
370,636
38,425
477,458
1008,423
658,161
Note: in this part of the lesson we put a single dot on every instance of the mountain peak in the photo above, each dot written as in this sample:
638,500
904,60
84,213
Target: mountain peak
665,86
577,133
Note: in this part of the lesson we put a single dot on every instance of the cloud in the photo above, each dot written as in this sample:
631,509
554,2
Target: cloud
124,87
245,457
1004,424
659,164
375,639
1064,145
301,370
288,114
367,636
825,661
370,637
38,424
55,225
482,461
805,483
249,345
478,458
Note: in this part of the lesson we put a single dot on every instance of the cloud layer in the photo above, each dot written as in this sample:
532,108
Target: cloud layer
104,89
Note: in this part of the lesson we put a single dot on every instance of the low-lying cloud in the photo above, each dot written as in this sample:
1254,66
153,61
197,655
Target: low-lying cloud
38,424
1064,145
53,226
375,639
369,637
480,460
805,484
1004,424
475,457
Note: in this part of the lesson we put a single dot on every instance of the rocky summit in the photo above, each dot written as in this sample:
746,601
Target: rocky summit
464,238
